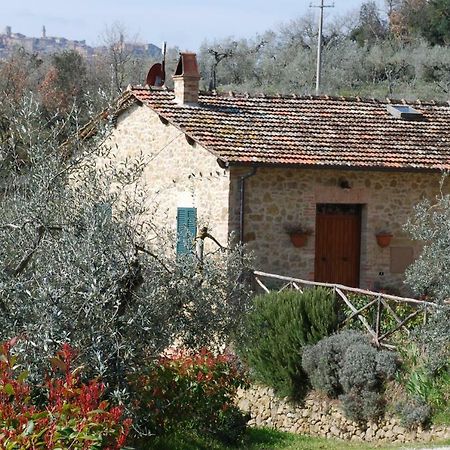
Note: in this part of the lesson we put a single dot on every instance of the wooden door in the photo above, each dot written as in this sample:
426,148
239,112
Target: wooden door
338,243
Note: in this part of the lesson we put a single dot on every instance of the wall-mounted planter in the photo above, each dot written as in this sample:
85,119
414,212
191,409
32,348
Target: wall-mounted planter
298,239
383,239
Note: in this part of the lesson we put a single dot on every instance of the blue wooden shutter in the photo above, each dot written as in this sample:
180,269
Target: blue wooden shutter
186,229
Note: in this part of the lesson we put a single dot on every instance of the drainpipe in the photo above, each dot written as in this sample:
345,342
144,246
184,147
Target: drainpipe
242,202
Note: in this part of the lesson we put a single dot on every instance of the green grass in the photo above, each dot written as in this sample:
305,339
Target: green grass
442,417
262,439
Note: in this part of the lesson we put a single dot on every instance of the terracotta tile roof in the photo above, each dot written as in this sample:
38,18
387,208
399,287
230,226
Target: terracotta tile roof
308,131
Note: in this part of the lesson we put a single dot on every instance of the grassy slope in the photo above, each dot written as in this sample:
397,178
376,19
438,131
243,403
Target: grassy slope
262,439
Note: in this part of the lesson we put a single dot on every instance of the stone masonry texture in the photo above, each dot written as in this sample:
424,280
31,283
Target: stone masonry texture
177,174
181,173
319,416
279,196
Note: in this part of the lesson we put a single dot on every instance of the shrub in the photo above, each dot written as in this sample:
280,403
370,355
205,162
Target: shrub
277,329
346,366
230,425
191,391
358,368
413,413
360,404
323,361
426,369
72,416
387,364
434,341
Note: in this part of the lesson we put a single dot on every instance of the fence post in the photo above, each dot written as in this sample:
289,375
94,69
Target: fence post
378,320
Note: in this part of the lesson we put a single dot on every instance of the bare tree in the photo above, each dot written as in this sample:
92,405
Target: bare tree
123,66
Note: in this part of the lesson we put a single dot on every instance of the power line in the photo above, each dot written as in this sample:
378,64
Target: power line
319,43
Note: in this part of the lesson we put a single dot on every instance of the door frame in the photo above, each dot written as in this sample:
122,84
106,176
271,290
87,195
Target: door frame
358,241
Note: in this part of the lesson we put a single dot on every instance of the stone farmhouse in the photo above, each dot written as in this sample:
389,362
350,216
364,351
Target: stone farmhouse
343,169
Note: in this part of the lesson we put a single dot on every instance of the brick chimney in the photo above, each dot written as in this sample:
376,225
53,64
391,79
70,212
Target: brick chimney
186,79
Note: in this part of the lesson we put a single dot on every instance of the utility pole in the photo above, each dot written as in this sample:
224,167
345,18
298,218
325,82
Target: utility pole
319,43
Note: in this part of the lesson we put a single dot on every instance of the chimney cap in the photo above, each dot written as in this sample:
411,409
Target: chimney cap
187,66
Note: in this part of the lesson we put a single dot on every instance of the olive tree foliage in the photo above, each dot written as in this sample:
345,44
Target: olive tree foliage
430,223
363,55
429,276
284,60
82,262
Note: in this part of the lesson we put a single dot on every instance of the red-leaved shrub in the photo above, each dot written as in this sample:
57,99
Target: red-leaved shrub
73,414
191,390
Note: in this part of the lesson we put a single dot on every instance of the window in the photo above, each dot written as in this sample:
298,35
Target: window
405,112
186,229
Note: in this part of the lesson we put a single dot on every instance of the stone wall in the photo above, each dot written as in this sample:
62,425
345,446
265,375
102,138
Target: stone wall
321,417
277,196
177,173
180,173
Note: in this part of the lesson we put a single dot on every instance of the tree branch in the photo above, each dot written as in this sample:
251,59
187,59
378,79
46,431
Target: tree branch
140,248
41,229
26,259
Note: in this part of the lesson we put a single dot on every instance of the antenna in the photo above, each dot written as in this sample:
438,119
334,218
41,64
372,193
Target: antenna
163,64
319,43
156,76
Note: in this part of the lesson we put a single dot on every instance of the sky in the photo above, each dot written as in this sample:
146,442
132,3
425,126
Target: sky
185,23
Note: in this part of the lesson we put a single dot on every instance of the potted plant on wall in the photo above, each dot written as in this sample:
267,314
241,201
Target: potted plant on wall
383,238
298,234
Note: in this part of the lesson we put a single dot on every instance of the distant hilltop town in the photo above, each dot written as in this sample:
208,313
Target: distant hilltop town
10,41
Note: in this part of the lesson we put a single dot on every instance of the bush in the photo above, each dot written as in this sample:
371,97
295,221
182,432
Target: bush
387,364
72,415
323,361
413,413
191,391
358,368
230,425
348,367
276,331
426,370
360,405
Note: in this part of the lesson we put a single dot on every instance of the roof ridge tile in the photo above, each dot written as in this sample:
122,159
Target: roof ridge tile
359,99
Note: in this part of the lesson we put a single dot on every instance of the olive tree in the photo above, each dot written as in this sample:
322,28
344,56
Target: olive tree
430,223
81,261
429,275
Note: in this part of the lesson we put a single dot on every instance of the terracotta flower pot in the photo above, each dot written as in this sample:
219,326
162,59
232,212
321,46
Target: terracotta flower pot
383,239
298,239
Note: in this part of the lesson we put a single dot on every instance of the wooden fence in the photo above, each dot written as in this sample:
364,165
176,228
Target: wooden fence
377,305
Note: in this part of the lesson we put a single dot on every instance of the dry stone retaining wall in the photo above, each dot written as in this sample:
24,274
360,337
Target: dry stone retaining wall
322,417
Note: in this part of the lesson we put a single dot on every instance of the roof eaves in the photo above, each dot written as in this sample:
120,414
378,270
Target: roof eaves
353,167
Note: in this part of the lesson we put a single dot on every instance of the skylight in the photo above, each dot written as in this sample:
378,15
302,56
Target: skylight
405,112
